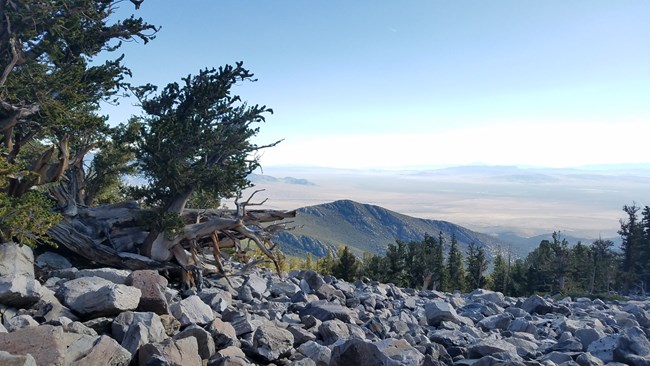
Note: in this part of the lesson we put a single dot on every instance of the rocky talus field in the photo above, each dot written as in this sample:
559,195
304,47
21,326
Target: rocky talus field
55,314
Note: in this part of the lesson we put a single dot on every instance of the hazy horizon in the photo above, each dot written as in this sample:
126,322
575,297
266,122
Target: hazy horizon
488,199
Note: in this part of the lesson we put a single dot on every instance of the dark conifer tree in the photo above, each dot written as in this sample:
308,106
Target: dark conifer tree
347,266
455,267
477,264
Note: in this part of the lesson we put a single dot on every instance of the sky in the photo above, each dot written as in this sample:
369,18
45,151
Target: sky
376,84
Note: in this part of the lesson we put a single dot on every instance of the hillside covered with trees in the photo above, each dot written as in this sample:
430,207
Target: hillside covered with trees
555,266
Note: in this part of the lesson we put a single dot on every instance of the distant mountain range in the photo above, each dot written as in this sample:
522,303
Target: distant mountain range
369,228
259,178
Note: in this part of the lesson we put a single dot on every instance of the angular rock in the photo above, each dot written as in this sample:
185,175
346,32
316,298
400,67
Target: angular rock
223,334
499,321
219,300
127,319
525,348
19,291
257,284
204,339
174,352
329,293
192,311
79,328
488,296
557,357
323,310
51,260
313,279
439,311
7,359
16,260
451,338
300,335
101,325
240,321
604,347
633,347
320,354
136,337
230,356
378,327
283,288
522,325
568,345
103,351
303,362
153,287
486,347
537,304
20,321
332,330
399,350
359,353
116,276
271,342
245,294
98,297
587,359
45,343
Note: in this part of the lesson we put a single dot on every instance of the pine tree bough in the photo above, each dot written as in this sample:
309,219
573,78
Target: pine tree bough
110,235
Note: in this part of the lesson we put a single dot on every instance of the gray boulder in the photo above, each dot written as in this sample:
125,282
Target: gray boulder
152,286
283,288
604,347
499,321
332,330
271,342
96,350
170,352
7,359
633,347
19,291
439,311
16,260
588,335
360,353
45,343
223,334
98,297
117,276
587,359
204,340
320,354
192,311
488,296
537,304
127,319
486,347
401,351
51,260
19,321
323,310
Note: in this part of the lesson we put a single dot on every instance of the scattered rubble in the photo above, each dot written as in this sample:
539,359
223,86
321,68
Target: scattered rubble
70,316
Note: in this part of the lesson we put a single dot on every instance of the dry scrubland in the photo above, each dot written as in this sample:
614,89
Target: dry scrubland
490,200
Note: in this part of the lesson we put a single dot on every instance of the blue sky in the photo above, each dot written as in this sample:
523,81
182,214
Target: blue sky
403,84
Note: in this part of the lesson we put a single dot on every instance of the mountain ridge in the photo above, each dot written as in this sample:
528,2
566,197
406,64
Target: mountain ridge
370,228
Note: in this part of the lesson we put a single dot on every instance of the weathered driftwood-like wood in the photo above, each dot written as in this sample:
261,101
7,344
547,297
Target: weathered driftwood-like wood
109,235
66,234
